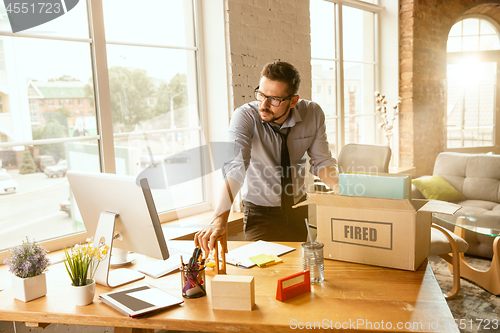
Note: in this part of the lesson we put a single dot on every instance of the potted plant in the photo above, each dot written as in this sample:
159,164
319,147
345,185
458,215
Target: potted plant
81,263
27,263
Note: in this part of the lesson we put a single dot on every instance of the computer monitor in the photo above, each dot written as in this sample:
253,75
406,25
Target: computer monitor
118,213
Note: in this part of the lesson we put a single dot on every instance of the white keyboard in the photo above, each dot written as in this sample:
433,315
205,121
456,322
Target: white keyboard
160,268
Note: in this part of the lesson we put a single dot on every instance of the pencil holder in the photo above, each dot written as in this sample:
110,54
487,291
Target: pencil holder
193,282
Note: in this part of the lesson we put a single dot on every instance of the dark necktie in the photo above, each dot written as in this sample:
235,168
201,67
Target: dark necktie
286,174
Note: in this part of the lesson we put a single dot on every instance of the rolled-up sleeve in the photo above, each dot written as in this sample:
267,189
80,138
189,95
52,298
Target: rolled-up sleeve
319,152
240,140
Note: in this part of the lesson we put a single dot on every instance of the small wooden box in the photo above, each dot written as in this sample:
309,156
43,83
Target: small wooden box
231,292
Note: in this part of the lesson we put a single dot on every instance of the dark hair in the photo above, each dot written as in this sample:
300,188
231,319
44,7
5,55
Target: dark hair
283,72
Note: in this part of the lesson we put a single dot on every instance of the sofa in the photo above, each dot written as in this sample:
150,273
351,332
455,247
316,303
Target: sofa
477,178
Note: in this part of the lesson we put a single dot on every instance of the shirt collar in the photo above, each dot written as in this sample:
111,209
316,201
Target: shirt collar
293,119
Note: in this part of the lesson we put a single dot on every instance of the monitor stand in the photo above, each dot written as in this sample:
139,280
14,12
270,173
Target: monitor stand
104,234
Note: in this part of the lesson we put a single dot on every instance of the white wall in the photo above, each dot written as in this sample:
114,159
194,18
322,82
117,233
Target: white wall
261,31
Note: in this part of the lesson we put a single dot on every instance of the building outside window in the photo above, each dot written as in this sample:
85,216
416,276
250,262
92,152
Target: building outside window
154,107
473,52
343,52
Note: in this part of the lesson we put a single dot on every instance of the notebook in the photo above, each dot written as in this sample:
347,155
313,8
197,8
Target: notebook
139,301
241,256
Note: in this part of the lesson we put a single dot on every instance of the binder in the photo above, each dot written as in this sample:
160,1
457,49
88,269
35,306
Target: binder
381,185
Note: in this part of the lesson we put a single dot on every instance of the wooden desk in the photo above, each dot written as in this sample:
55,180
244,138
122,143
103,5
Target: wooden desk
352,294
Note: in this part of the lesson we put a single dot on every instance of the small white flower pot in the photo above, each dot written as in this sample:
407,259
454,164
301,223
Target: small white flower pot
28,289
83,295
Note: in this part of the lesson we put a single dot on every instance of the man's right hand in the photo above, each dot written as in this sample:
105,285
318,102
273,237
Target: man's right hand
206,237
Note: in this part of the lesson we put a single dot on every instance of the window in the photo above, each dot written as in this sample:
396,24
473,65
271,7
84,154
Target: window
347,65
473,52
154,107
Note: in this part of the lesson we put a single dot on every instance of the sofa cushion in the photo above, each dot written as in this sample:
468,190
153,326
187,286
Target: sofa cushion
476,176
452,167
477,206
437,188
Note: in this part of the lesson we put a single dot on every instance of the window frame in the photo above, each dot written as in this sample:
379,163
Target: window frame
339,91
105,137
484,56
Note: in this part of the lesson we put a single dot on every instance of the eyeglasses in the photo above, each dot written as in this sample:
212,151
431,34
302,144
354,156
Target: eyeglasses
273,101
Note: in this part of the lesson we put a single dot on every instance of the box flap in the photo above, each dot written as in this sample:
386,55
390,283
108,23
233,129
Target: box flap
358,202
437,206
304,203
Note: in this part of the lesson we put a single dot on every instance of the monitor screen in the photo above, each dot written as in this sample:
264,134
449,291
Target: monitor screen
137,226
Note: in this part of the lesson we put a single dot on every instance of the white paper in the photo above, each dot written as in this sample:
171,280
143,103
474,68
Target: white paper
239,256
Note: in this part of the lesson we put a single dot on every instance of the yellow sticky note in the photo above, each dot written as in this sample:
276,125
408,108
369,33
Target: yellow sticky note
277,260
261,259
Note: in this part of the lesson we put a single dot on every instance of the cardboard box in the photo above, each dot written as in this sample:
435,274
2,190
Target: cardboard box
233,292
376,231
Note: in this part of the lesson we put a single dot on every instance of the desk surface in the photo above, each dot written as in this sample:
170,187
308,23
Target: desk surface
361,297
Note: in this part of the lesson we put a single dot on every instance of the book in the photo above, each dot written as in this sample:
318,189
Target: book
139,301
381,185
241,256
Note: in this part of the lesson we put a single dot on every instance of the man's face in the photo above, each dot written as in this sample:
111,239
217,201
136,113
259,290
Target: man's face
269,113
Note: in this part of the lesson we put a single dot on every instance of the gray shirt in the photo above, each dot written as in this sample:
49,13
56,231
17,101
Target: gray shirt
258,148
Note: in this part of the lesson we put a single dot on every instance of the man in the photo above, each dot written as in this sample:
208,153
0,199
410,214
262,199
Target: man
270,174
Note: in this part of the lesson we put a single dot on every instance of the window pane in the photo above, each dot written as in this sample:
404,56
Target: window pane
471,43
471,27
33,84
454,44
181,171
323,29
456,30
42,206
156,22
489,43
158,99
487,28
358,35
73,24
471,104
359,100
323,74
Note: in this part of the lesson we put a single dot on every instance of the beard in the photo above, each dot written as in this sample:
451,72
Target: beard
265,112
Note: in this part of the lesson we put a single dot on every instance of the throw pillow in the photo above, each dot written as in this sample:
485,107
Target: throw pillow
437,188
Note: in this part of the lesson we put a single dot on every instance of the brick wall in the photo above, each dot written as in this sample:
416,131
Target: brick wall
261,31
424,28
